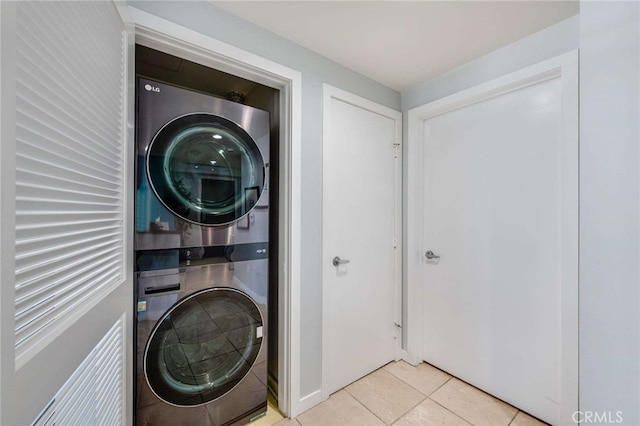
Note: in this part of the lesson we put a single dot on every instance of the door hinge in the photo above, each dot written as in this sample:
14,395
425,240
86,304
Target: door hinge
396,149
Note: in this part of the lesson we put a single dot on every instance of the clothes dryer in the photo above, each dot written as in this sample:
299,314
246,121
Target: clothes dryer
202,169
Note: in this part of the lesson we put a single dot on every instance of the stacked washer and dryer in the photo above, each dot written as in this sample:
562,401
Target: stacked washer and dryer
201,247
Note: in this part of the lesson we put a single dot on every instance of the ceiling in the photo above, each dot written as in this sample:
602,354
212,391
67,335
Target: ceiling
402,43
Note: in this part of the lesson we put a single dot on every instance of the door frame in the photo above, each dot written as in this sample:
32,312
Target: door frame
160,34
328,93
564,67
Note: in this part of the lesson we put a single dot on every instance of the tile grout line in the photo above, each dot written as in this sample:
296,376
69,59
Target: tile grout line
452,412
410,409
439,387
427,396
408,384
485,393
418,390
514,417
365,407
402,381
442,385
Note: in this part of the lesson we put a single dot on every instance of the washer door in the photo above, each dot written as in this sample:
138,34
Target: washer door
203,346
205,169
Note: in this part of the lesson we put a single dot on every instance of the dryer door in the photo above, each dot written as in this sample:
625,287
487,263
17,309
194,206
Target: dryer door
203,346
206,169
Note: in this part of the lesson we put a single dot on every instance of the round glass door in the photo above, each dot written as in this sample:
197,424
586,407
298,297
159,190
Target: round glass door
203,346
205,169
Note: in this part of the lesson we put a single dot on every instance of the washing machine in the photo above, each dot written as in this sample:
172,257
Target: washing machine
201,336
201,248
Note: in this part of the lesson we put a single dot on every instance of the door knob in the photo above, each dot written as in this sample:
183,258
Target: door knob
430,255
337,261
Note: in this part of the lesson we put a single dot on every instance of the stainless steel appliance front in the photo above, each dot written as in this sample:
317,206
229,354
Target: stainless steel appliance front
201,335
202,169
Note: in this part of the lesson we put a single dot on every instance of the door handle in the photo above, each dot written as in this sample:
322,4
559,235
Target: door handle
337,261
430,255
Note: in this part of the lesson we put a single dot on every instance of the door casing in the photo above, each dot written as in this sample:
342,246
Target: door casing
564,67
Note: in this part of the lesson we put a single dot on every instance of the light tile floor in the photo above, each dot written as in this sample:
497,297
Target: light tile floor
401,394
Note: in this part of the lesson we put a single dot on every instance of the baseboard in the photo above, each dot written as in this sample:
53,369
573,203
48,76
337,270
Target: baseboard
410,358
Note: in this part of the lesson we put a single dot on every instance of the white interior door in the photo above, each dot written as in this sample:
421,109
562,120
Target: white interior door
500,209
361,226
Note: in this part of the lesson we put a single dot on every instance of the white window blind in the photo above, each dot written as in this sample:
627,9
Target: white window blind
70,159
94,394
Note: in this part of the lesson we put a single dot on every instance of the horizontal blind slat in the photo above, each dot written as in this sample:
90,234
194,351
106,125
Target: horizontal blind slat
44,279
62,222
107,413
33,266
105,377
54,231
49,87
105,58
53,206
39,129
72,71
34,102
70,169
37,178
47,168
36,315
63,159
64,301
35,192
81,404
82,280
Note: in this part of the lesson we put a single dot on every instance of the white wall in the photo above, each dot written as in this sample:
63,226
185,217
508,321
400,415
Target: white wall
609,209
212,21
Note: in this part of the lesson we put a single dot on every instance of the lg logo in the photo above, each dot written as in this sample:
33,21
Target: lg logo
150,88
